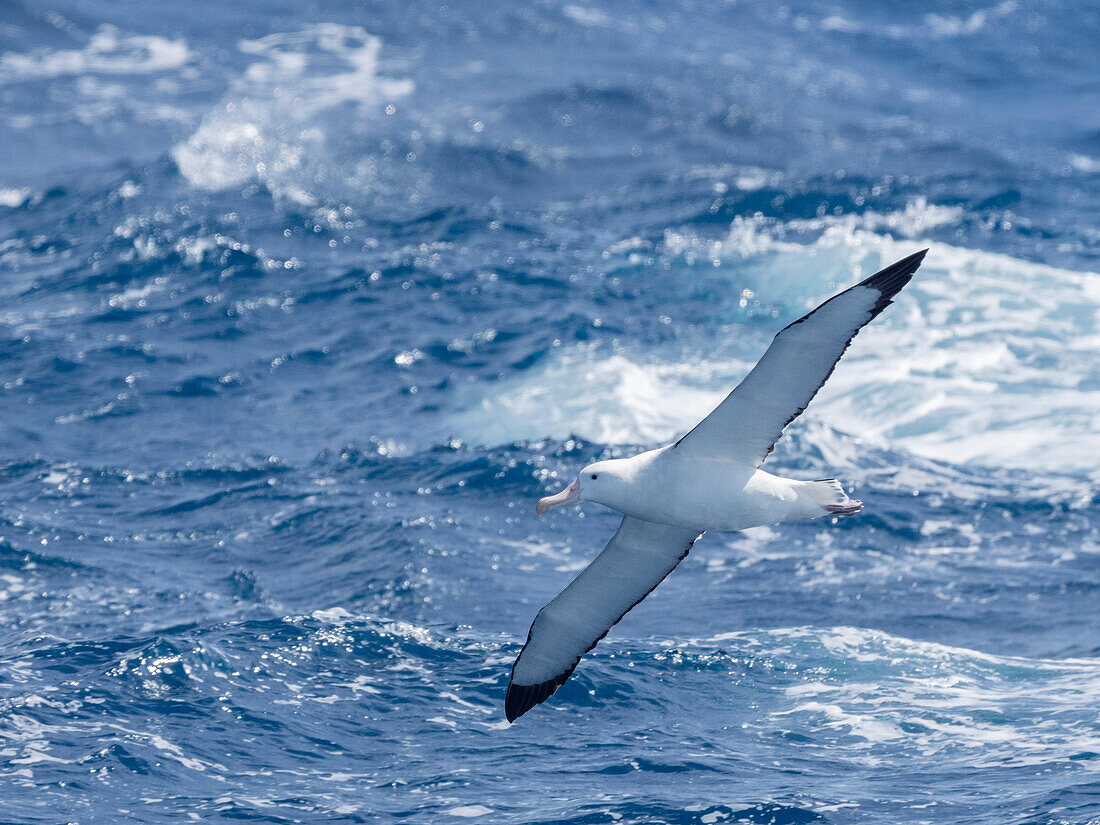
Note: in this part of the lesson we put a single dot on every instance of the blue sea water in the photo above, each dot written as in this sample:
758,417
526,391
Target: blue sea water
302,305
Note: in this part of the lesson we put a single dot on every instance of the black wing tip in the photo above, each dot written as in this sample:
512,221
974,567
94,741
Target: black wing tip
887,282
521,698
890,280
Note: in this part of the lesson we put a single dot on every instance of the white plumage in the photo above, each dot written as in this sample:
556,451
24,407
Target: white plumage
708,480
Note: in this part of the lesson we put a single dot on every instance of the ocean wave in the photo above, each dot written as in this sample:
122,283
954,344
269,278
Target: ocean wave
958,704
303,310
268,127
861,695
966,378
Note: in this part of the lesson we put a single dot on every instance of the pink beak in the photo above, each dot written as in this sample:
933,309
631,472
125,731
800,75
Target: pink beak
570,495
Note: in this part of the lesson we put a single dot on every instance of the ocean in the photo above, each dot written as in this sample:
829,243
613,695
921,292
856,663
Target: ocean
304,304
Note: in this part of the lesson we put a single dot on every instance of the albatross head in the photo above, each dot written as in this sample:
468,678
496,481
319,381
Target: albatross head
605,482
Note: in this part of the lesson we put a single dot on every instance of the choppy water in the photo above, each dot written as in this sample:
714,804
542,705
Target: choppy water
302,307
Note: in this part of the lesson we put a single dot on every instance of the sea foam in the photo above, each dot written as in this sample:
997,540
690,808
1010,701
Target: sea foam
267,128
984,358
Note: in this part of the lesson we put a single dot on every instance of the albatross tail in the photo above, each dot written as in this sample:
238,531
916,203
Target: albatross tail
827,494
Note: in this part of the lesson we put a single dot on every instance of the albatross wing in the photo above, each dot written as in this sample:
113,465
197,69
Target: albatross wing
746,425
634,562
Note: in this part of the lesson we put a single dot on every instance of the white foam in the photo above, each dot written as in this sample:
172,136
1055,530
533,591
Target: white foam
612,399
943,700
268,128
939,26
984,358
896,695
1085,163
14,197
945,25
107,52
863,726
587,16
469,811
333,615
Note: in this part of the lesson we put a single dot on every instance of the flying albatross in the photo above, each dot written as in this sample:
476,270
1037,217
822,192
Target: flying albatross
708,480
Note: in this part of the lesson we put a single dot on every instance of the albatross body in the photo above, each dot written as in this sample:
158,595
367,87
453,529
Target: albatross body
673,486
708,480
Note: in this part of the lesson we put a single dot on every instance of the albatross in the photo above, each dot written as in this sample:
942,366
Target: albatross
710,479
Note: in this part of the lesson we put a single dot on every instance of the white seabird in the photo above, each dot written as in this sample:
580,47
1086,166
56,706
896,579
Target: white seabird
708,480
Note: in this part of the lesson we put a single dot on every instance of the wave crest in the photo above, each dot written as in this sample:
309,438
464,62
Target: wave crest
268,128
985,359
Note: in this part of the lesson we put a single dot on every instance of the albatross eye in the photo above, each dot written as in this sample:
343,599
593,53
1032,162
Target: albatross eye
593,476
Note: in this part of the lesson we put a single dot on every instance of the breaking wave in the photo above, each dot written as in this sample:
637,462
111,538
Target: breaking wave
984,358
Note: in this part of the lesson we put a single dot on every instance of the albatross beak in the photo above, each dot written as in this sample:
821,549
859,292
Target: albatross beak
570,495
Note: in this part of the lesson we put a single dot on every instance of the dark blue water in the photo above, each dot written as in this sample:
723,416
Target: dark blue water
303,305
